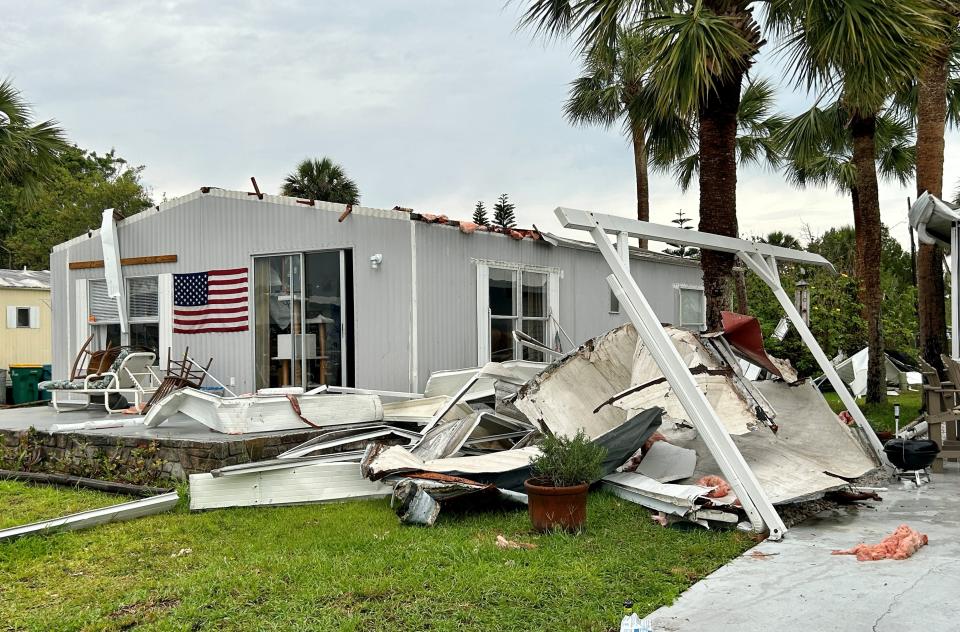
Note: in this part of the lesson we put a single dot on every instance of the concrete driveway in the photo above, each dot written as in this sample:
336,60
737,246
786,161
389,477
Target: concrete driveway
799,586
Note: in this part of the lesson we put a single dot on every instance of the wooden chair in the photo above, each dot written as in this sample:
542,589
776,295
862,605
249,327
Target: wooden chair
942,412
96,361
179,374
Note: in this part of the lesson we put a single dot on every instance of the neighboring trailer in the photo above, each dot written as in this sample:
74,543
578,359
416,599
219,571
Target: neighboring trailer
378,300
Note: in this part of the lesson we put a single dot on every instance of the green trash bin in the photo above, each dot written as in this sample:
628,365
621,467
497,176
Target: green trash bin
47,375
25,378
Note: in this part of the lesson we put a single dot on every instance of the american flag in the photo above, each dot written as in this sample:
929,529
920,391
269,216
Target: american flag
206,302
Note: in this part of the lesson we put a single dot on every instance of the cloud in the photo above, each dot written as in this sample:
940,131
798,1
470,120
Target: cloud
429,103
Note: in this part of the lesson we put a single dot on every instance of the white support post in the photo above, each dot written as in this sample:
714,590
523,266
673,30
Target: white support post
623,248
732,464
766,269
955,291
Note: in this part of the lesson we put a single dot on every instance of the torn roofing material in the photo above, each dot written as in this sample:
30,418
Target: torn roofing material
804,459
508,469
743,333
263,413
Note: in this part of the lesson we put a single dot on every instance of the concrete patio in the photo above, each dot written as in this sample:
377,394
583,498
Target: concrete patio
800,586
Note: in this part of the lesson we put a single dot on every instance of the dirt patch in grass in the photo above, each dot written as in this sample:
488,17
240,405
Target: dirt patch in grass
143,611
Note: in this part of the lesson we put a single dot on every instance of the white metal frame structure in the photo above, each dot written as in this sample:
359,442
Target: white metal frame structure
938,223
762,259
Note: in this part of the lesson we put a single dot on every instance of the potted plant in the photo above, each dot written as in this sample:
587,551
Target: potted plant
562,473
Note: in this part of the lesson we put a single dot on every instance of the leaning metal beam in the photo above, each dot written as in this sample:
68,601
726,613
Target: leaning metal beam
757,257
732,464
955,291
585,220
766,269
94,517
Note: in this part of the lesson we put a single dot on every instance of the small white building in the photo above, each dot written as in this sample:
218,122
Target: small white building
377,300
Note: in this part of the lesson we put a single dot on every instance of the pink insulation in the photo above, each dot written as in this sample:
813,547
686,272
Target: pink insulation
900,545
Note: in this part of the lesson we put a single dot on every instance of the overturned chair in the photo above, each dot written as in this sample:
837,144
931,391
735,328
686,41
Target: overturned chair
131,373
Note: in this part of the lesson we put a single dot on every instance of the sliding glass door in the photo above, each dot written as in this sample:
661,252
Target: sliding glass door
301,311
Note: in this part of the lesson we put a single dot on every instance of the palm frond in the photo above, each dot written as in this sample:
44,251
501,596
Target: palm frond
953,102
27,149
686,170
669,139
873,46
689,53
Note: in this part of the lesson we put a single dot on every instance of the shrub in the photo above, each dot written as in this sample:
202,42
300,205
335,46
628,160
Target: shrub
566,462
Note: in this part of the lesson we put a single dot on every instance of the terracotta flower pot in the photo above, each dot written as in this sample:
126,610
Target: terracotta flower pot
556,507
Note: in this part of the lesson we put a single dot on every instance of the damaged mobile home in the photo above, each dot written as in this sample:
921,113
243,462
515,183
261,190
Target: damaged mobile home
381,299
319,343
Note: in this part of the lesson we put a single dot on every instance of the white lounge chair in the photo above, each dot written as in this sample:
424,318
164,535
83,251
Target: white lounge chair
132,373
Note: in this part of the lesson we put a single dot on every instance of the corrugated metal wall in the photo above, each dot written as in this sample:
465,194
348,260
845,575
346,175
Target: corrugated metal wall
447,290
226,229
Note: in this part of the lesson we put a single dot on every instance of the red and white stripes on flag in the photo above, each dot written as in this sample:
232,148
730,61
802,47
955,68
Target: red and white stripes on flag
209,302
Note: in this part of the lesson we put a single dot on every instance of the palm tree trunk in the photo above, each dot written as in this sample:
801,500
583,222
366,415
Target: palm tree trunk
740,281
867,226
643,181
718,191
931,120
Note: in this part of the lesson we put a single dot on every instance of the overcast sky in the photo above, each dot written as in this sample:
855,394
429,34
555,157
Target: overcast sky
429,104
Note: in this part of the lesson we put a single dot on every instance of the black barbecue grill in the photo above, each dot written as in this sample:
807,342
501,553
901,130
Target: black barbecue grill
911,456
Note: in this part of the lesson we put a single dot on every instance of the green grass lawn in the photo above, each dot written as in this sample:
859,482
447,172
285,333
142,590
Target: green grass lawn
348,566
881,415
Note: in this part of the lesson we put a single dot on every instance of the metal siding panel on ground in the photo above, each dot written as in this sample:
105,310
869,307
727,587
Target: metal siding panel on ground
326,482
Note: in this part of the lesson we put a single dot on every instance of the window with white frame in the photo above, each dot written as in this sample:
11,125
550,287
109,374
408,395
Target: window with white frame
691,307
23,317
514,299
143,313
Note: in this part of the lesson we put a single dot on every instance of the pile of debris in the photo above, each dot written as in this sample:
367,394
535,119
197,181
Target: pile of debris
471,435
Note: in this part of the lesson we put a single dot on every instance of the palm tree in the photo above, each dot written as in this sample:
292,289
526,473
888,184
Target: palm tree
27,149
757,130
612,90
695,56
782,239
933,102
864,49
322,180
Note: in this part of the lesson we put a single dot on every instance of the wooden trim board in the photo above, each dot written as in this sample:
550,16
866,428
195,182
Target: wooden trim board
127,261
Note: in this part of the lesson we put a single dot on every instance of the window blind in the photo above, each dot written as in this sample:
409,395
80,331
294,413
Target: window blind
102,307
143,297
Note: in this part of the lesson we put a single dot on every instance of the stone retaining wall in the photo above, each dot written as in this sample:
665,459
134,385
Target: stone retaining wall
135,459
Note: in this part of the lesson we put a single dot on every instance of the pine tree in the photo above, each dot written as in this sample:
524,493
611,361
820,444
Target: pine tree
480,215
684,252
503,213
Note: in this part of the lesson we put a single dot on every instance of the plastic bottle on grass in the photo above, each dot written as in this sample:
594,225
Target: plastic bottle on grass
631,622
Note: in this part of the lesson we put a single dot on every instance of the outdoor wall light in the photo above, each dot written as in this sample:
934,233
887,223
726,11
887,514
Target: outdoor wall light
376,260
